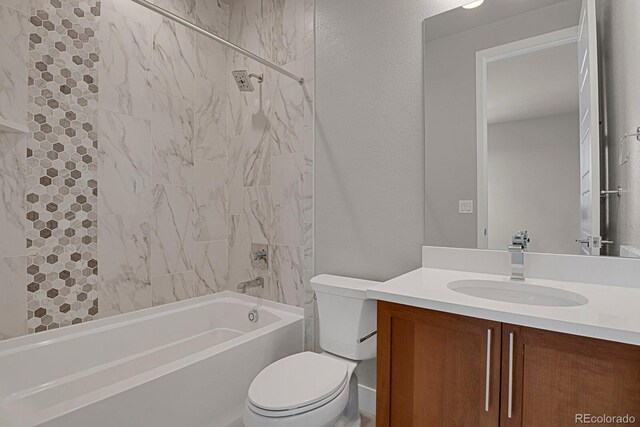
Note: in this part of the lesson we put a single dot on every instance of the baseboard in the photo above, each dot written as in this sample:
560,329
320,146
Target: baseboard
367,399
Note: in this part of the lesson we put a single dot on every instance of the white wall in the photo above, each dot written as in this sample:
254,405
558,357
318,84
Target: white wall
534,176
451,116
620,83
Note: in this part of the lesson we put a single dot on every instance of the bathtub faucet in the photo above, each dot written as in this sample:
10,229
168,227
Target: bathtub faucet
258,282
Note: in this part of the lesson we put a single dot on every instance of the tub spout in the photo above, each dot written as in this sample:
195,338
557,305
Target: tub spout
258,282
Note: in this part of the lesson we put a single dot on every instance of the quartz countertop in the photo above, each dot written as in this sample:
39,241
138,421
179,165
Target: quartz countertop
612,313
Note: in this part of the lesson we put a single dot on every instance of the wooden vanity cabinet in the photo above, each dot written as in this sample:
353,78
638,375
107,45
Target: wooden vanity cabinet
556,376
432,368
440,369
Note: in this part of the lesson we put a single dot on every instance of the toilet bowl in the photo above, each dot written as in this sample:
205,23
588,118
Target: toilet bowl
320,390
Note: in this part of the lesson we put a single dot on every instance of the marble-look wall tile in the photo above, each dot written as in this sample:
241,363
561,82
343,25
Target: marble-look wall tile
172,126
172,244
211,201
132,11
308,198
21,5
13,66
124,167
308,150
211,60
184,8
308,246
13,297
239,245
211,119
211,267
287,275
287,194
174,287
260,214
124,282
213,16
174,59
13,205
235,174
288,30
288,120
125,66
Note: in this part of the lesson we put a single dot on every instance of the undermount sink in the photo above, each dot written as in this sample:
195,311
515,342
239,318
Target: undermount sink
518,293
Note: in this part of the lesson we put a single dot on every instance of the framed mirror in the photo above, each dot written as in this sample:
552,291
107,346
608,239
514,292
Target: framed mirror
532,115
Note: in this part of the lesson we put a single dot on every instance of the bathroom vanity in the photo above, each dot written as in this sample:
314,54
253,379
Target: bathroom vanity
459,345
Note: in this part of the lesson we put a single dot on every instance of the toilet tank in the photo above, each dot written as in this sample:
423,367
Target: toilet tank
345,316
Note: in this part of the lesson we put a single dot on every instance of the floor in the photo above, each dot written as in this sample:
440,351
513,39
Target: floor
368,420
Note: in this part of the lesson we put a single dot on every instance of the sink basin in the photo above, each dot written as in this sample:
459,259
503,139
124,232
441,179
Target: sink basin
518,293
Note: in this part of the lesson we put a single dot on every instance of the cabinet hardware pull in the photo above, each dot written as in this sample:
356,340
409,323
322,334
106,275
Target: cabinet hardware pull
510,404
488,373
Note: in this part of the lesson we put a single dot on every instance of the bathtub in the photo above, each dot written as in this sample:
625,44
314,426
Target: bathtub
180,365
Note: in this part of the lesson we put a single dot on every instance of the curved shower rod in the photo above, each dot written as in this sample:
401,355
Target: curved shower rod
182,21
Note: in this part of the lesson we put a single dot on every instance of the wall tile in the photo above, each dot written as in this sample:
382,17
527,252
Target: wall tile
211,119
61,164
287,198
174,287
13,297
13,205
124,168
13,67
184,8
260,214
288,30
174,59
235,173
211,201
132,11
124,251
239,245
308,246
287,121
213,16
172,126
211,60
14,27
172,244
211,267
125,66
287,275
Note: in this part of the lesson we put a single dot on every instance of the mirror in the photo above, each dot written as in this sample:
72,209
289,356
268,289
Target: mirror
532,115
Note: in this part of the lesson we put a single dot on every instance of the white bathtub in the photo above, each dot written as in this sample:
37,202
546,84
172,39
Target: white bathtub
180,365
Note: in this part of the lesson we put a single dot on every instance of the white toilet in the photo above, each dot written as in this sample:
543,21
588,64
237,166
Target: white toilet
320,390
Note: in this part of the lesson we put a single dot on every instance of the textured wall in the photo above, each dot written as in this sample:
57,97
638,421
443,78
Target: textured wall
130,190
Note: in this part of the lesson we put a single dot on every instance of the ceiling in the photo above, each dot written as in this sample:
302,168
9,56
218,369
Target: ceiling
537,84
459,19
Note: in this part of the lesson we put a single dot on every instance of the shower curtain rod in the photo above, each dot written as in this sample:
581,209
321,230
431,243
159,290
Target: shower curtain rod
206,33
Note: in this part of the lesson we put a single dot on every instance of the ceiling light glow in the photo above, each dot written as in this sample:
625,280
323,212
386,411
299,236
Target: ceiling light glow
473,4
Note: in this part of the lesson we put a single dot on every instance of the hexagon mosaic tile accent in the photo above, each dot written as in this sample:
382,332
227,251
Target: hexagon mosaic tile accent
61,164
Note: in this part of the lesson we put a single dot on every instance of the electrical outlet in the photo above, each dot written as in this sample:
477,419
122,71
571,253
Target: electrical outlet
465,206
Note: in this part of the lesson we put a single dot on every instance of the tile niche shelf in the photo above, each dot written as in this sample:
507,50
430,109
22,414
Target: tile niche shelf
7,126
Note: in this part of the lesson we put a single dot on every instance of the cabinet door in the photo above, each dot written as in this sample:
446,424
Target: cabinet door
556,377
436,369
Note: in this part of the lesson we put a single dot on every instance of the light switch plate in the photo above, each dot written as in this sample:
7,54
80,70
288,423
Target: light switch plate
465,206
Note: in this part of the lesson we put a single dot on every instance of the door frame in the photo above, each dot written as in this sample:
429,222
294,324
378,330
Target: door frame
483,58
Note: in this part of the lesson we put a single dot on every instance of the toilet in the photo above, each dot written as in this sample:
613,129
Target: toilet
320,390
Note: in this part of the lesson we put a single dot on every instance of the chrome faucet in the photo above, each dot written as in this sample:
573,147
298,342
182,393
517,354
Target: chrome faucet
258,282
518,246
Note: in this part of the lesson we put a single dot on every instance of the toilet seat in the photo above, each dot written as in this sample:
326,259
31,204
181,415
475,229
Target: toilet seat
297,384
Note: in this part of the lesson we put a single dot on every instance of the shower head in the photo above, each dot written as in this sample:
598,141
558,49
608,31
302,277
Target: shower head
243,80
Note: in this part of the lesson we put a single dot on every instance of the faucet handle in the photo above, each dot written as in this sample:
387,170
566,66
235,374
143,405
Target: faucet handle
521,238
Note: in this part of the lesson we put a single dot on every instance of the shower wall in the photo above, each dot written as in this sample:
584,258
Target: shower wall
145,174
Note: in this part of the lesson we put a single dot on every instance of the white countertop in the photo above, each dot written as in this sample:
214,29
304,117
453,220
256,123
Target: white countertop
612,313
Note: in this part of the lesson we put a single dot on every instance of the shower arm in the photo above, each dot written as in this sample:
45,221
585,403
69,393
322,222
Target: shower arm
210,35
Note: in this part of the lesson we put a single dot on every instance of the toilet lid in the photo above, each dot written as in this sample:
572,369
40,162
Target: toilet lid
297,381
